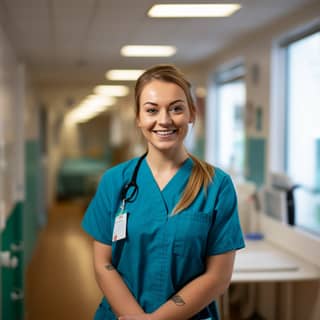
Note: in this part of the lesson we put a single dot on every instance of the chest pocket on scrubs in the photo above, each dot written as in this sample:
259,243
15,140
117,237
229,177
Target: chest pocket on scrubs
191,232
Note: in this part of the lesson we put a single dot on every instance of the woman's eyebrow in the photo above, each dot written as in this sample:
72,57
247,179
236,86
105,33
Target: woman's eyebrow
175,101
171,103
149,102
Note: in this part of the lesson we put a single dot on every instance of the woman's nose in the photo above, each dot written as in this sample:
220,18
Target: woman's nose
164,117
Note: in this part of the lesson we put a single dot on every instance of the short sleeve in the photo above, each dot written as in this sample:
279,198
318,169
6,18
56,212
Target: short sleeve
225,233
97,219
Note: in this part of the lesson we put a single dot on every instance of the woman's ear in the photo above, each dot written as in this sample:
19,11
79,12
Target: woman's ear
192,118
138,122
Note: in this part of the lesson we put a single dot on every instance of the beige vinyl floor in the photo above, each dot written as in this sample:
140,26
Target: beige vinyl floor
60,283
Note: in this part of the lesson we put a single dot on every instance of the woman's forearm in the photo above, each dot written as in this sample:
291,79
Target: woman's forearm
195,296
187,302
200,292
112,285
115,290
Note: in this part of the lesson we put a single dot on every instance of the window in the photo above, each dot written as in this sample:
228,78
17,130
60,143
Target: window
303,127
227,119
231,97
298,143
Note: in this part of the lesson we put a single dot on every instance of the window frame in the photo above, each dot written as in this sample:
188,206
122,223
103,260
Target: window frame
229,72
279,90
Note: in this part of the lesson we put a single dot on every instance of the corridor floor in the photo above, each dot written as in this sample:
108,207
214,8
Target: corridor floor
60,282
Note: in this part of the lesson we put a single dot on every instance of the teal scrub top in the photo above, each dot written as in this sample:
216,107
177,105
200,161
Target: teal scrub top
163,252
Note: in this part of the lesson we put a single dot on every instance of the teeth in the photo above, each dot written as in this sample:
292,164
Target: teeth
165,133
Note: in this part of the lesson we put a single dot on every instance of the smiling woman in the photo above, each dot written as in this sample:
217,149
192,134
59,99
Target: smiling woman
167,252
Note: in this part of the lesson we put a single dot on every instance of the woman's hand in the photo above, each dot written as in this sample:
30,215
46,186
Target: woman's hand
143,316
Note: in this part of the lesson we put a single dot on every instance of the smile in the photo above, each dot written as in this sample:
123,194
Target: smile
164,133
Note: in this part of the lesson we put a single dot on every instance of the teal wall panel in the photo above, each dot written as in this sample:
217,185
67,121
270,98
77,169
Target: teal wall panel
13,279
32,197
256,160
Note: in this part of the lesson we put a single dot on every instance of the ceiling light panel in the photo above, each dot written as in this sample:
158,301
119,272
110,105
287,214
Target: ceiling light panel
89,108
148,51
193,10
114,91
98,100
125,75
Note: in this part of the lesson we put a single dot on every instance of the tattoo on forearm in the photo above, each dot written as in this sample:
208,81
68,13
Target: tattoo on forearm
109,267
178,301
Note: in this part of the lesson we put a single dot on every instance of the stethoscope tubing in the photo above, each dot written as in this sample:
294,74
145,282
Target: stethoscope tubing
127,196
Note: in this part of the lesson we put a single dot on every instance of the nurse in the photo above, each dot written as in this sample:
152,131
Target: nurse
165,225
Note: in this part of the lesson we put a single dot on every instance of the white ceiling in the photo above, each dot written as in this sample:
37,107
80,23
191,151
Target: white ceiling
75,39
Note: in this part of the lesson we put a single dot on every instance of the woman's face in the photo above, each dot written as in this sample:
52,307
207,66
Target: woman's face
164,115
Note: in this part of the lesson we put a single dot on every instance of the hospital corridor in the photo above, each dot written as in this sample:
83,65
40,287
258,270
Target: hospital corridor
182,136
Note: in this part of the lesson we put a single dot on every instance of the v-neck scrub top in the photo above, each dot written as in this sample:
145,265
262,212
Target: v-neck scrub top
162,252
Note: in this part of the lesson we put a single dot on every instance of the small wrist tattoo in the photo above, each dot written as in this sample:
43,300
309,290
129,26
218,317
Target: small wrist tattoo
178,301
109,267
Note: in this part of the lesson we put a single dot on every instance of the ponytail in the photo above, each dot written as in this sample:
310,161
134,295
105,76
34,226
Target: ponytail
201,176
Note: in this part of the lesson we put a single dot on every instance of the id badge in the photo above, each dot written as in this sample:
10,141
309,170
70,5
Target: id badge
120,227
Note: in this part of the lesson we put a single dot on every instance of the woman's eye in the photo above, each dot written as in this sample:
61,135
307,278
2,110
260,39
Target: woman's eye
177,109
151,110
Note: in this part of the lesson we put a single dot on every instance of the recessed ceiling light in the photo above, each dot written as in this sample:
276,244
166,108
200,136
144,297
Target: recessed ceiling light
193,10
148,51
97,100
89,108
122,74
114,91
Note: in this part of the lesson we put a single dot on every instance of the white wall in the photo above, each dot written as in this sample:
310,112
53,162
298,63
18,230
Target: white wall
11,124
58,100
10,132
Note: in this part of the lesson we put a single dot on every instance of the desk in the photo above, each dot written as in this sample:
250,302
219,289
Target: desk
262,261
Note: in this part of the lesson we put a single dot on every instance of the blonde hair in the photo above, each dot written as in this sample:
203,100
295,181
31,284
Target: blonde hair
201,176
202,172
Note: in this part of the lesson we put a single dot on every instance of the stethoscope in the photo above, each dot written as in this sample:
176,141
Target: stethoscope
130,190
